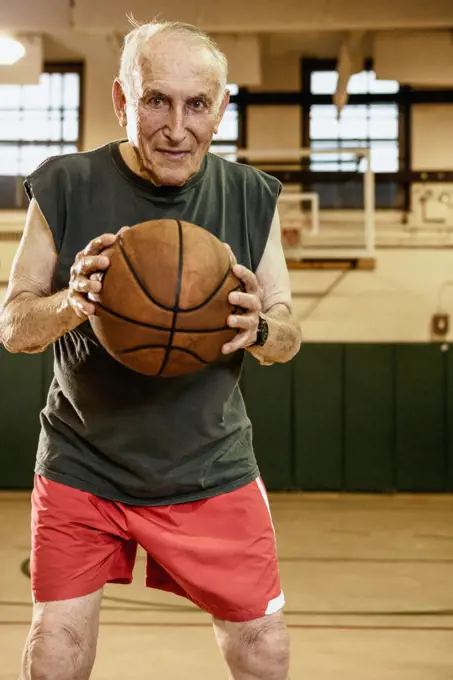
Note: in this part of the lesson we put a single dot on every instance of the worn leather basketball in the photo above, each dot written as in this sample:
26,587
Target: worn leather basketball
164,304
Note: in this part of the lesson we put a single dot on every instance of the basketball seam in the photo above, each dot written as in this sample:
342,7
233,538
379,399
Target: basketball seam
177,298
161,328
137,278
174,347
210,296
160,304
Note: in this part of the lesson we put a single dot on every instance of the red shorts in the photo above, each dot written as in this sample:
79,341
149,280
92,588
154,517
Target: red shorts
219,553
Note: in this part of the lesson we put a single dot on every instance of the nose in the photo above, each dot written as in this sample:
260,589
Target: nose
175,129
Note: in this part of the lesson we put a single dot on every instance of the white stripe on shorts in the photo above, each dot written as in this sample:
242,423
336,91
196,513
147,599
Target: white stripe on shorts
278,602
275,605
265,498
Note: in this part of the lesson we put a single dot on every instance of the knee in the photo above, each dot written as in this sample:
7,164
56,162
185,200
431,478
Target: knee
58,653
260,648
267,645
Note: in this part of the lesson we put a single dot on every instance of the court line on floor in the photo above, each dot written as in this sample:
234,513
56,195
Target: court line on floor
141,606
300,626
367,560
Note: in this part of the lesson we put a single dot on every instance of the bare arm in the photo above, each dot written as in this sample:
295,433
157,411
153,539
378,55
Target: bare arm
284,339
31,318
267,293
285,335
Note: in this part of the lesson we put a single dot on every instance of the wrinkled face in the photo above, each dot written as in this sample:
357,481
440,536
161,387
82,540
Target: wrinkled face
174,111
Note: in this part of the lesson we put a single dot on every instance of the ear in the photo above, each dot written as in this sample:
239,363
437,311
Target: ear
222,109
119,102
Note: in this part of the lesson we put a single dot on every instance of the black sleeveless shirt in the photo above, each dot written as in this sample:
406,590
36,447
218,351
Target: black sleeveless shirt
108,430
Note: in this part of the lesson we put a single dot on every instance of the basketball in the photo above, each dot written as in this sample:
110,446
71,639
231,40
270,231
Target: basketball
164,304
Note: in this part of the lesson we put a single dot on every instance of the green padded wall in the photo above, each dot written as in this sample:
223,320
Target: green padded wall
449,416
47,373
21,400
267,394
369,418
318,420
420,418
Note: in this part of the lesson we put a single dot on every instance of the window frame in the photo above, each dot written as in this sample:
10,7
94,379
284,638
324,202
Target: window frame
401,99
61,68
239,100
72,67
16,181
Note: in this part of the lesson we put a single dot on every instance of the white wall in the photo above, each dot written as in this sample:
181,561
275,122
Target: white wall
393,303
274,127
432,137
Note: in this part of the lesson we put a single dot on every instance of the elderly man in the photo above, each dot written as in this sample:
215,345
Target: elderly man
126,459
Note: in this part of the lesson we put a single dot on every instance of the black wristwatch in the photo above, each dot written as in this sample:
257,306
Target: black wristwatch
262,332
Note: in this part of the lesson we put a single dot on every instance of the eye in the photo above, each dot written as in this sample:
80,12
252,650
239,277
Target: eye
198,104
156,101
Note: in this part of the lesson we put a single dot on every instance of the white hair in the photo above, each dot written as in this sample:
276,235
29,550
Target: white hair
136,40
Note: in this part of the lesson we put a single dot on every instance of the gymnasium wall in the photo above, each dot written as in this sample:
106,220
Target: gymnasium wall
366,405
394,302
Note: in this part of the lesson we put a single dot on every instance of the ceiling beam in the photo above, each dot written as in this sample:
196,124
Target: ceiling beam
269,15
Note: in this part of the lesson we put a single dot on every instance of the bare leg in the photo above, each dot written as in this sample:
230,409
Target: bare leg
255,650
61,644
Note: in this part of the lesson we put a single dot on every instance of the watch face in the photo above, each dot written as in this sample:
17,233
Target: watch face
263,331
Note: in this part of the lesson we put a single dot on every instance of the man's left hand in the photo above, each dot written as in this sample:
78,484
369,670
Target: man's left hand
251,302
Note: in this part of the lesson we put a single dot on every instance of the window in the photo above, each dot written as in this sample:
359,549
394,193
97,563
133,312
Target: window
325,82
227,139
374,125
37,121
376,117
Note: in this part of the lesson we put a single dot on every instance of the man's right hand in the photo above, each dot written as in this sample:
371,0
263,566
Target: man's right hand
84,284
31,317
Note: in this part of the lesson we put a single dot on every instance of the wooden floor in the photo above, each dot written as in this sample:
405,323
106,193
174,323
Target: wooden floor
368,582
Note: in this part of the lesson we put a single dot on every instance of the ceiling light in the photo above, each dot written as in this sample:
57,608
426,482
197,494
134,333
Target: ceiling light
11,50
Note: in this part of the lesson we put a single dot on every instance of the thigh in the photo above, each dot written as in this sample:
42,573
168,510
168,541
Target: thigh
220,553
78,543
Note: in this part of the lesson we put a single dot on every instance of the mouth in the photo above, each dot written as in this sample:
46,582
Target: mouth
173,155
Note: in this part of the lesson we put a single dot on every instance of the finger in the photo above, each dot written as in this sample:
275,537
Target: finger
82,307
233,259
98,244
88,265
245,300
97,276
247,277
243,322
83,285
94,297
242,340
123,230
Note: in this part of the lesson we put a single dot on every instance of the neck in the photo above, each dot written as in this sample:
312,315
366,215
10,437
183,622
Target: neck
133,161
